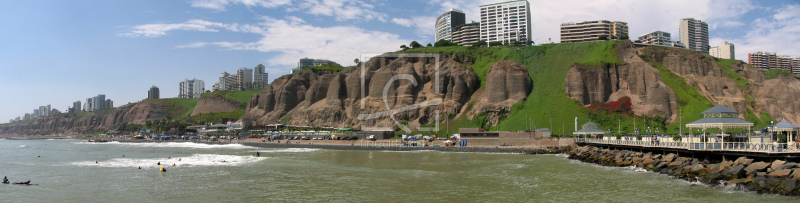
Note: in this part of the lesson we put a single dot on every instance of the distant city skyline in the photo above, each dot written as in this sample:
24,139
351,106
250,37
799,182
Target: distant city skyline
65,51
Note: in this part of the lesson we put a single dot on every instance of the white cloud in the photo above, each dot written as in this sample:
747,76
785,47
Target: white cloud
292,39
732,23
156,30
403,22
221,4
341,10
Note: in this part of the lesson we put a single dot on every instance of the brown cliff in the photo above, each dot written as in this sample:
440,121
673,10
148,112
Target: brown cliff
507,82
71,124
323,98
214,103
633,78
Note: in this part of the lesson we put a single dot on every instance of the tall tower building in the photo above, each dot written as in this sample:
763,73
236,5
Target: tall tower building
76,106
506,21
260,77
694,34
97,102
153,93
447,22
191,88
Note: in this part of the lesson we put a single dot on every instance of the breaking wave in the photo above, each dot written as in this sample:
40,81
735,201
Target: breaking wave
175,145
190,161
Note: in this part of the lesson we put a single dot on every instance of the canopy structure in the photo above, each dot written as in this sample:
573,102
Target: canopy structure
785,126
589,129
720,117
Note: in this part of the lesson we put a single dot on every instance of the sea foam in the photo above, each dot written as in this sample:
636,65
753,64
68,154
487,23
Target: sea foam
174,145
190,161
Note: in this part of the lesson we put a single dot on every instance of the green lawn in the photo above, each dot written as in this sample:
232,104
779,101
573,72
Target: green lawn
180,107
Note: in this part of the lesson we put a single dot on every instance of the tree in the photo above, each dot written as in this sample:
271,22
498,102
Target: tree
624,37
517,43
444,43
415,44
356,61
638,41
530,42
495,43
479,43
613,37
404,47
429,45
603,37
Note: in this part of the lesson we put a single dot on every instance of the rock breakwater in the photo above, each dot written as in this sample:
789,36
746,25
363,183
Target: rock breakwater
777,177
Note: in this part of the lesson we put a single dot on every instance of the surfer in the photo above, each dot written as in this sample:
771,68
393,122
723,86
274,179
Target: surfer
162,169
258,154
38,156
173,164
96,162
179,159
123,155
159,163
140,167
5,179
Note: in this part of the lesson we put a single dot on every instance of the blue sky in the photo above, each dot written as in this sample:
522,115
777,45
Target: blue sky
58,52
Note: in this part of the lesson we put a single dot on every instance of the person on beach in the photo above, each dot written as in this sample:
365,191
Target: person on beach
5,179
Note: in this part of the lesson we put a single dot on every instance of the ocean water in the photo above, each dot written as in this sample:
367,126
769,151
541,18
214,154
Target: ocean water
78,171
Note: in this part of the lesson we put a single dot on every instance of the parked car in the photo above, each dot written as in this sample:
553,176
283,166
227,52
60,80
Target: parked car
370,137
353,138
304,138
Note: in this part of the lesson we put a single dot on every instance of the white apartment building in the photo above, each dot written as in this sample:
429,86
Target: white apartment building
588,31
447,22
467,34
657,38
307,62
724,50
785,62
763,60
694,34
244,77
506,22
796,65
191,88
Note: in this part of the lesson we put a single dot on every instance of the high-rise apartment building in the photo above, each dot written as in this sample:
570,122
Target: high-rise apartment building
97,102
76,107
153,93
191,88
796,65
588,31
108,104
657,38
467,34
763,60
307,62
87,106
447,22
244,77
785,62
506,22
694,34
260,77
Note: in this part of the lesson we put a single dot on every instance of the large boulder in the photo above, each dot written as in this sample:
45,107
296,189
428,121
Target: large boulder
744,161
736,171
780,173
776,164
756,167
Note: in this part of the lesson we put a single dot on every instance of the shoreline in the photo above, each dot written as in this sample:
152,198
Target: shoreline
777,177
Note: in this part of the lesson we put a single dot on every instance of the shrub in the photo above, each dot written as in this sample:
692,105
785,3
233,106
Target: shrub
676,138
444,43
638,137
619,137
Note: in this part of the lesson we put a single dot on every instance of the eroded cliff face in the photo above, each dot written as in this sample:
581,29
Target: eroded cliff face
778,97
395,86
633,78
214,103
507,82
69,124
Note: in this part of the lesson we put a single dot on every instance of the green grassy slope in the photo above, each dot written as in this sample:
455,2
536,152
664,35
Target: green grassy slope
241,97
181,107
774,73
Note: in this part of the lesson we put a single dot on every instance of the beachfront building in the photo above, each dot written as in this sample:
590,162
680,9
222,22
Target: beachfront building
191,88
76,107
588,31
796,65
791,131
724,51
694,34
447,22
467,34
153,93
722,118
657,38
763,60
785,62
506,21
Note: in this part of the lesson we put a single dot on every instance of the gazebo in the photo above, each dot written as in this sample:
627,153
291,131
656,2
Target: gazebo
720,117
785,126
589,129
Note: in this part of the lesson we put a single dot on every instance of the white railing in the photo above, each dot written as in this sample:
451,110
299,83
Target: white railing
707,146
